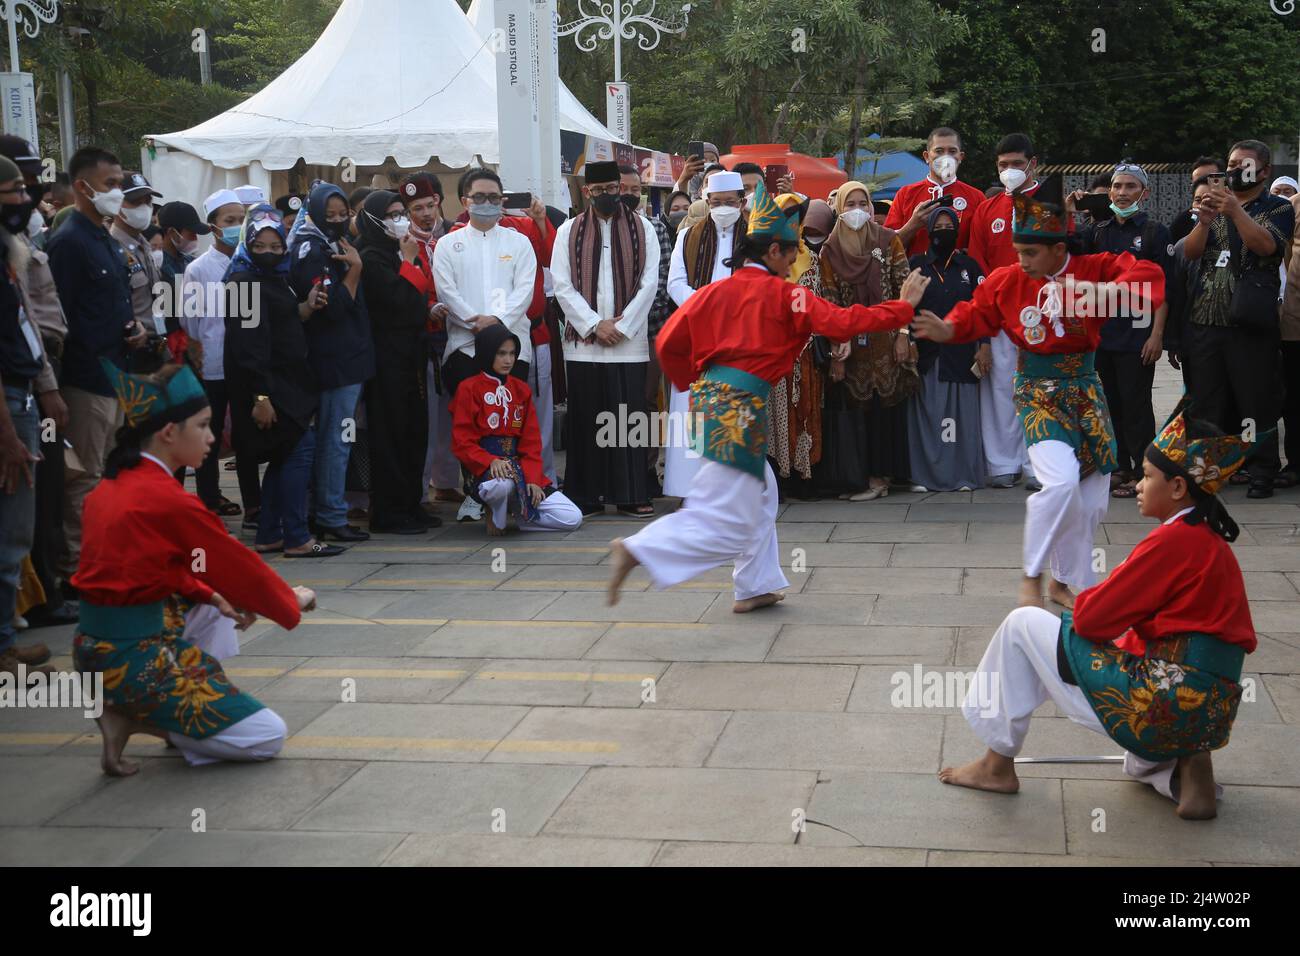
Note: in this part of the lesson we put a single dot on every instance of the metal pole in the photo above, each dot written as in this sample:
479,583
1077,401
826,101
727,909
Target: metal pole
13,35
618,41
1116,759
67,117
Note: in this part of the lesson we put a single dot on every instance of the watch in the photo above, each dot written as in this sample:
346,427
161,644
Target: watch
259,399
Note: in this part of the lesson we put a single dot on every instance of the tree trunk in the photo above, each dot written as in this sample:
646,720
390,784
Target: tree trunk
784,114
855,122
758,116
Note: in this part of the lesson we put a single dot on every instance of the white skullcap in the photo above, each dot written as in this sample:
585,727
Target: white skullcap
724,182
250,195
222,197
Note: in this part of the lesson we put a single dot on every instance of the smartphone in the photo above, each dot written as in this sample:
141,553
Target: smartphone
772,175
1098,204
695,148
945,201
518,200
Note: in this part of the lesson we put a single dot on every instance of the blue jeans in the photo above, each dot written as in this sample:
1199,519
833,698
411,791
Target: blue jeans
284,496
336,406
17,515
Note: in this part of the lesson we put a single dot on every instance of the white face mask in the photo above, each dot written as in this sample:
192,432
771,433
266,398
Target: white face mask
137,217
157,256
724,217
397,228
945,168
1012,179
109,203
855,219
185,246
36,224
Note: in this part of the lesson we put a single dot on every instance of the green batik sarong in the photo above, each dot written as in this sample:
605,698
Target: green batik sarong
1179,699
1059,398
732,410
154,675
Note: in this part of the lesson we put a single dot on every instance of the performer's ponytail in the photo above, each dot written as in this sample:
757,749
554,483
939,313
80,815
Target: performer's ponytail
1205,507
125,453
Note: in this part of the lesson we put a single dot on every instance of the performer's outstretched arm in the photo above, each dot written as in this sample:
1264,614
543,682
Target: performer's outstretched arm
811,314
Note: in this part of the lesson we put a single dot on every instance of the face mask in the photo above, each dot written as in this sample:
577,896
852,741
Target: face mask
334,231
485,210
855,219
185,246
945,167
137,217
1124,213
631,202
1012,179
815,244
1237,180
157,256
675,219
749,200
35,224
606,204
107,204
942,243
16,218
230,235
266,261
398,228
724,217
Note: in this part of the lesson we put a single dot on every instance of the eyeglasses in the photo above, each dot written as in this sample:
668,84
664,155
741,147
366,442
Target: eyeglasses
19,190
609,189
479,199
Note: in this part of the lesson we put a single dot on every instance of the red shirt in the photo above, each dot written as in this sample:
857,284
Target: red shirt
1001,300
542,247
1179,578
484,405
759,323
989,238
966,199
146,538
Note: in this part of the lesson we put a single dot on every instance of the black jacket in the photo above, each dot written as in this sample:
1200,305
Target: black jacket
949,285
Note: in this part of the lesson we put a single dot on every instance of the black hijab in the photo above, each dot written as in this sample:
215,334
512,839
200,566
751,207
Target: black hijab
486,344
370,231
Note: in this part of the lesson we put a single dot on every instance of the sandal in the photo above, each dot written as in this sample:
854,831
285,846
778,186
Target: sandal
1240,478
638,511
269,548
317,550
226,508
1126,490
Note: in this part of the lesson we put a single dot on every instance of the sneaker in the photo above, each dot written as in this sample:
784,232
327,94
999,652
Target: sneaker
1002,481
470,510
1260,489
1033,484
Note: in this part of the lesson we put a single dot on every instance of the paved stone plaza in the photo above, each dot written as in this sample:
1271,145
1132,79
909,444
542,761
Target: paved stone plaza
502,713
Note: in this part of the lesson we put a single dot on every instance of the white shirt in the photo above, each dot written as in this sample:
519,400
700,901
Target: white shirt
679,287
203,309
635,346
485,273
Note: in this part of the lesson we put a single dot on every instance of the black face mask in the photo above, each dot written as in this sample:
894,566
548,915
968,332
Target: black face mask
266,261
15,218
334,231
1237,180
606,204
942,243
630,201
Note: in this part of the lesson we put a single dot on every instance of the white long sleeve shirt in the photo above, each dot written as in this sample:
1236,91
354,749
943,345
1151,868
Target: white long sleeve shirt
635,346
485,273
679,286
203,309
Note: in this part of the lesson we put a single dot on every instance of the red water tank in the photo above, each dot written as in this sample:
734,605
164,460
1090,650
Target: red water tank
813,177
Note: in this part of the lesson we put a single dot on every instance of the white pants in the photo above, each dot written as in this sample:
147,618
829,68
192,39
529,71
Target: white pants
211,631
1004,438
441,469
681,461
1018,674
258,737
728,516
1061,520
555,513
539,381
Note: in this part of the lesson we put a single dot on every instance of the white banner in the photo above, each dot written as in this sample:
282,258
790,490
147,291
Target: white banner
618,109
546,72
517,107
18,93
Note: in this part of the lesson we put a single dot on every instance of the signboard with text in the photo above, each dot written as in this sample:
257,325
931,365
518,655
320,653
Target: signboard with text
618,111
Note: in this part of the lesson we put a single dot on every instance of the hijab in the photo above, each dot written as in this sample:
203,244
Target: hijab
849,252
370,221
306,225
930,222
259,218
486,344
698,212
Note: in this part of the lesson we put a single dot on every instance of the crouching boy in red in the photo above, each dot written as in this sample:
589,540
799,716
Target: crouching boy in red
497,440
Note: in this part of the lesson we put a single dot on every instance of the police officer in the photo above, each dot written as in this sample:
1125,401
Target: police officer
128,229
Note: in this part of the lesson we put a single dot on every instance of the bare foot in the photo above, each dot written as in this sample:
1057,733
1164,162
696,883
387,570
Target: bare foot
492,529
115,727
1060,593
1196,792
992,772
761,600
621,566
1031,592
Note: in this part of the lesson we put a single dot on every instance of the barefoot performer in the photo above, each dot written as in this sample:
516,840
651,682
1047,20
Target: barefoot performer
146,538
1152,656
732,339
1052,306
497,439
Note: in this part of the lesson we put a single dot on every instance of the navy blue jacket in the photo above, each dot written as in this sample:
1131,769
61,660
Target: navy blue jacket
948,285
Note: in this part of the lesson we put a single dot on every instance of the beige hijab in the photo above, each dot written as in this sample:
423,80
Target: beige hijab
849,252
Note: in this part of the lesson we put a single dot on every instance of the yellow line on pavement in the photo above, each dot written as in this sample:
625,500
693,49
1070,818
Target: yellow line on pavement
658,625
533,623
35,740
411,621
357,621
561,676
320,582
389,743
414,549
558,746
385,672
254,671
426,582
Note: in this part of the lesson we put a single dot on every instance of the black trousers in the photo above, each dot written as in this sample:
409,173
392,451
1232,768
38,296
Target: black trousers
1233,379
596,470
1127,384
397,416
1291,404
48,541
208,478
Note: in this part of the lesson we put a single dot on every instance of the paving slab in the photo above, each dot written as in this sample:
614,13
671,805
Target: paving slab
741,806
686,642
937,689
559,683
233,796
1271,558
1012,512
797,608
976,858
253,672
70,846
683,606
809,643
34,789
499,850
354,603
916,810
1284,691
404,577
405,732
360,639
511,639
892,532
445,798
1269,616
410,553
940,610
840,512
455,603
248,848
765,855
1273,656
801,687
784,741
1284,535
370,679
324,575
1142,823
885,580
524,550
592,736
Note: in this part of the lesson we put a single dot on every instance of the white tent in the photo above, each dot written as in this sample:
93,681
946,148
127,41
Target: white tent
410,79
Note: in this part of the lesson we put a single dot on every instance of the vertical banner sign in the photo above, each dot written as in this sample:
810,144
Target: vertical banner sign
18,93
546,63
618,109
517,114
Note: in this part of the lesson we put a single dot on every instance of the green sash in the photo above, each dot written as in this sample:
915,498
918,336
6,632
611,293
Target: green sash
733,408
1180,698
1059,398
